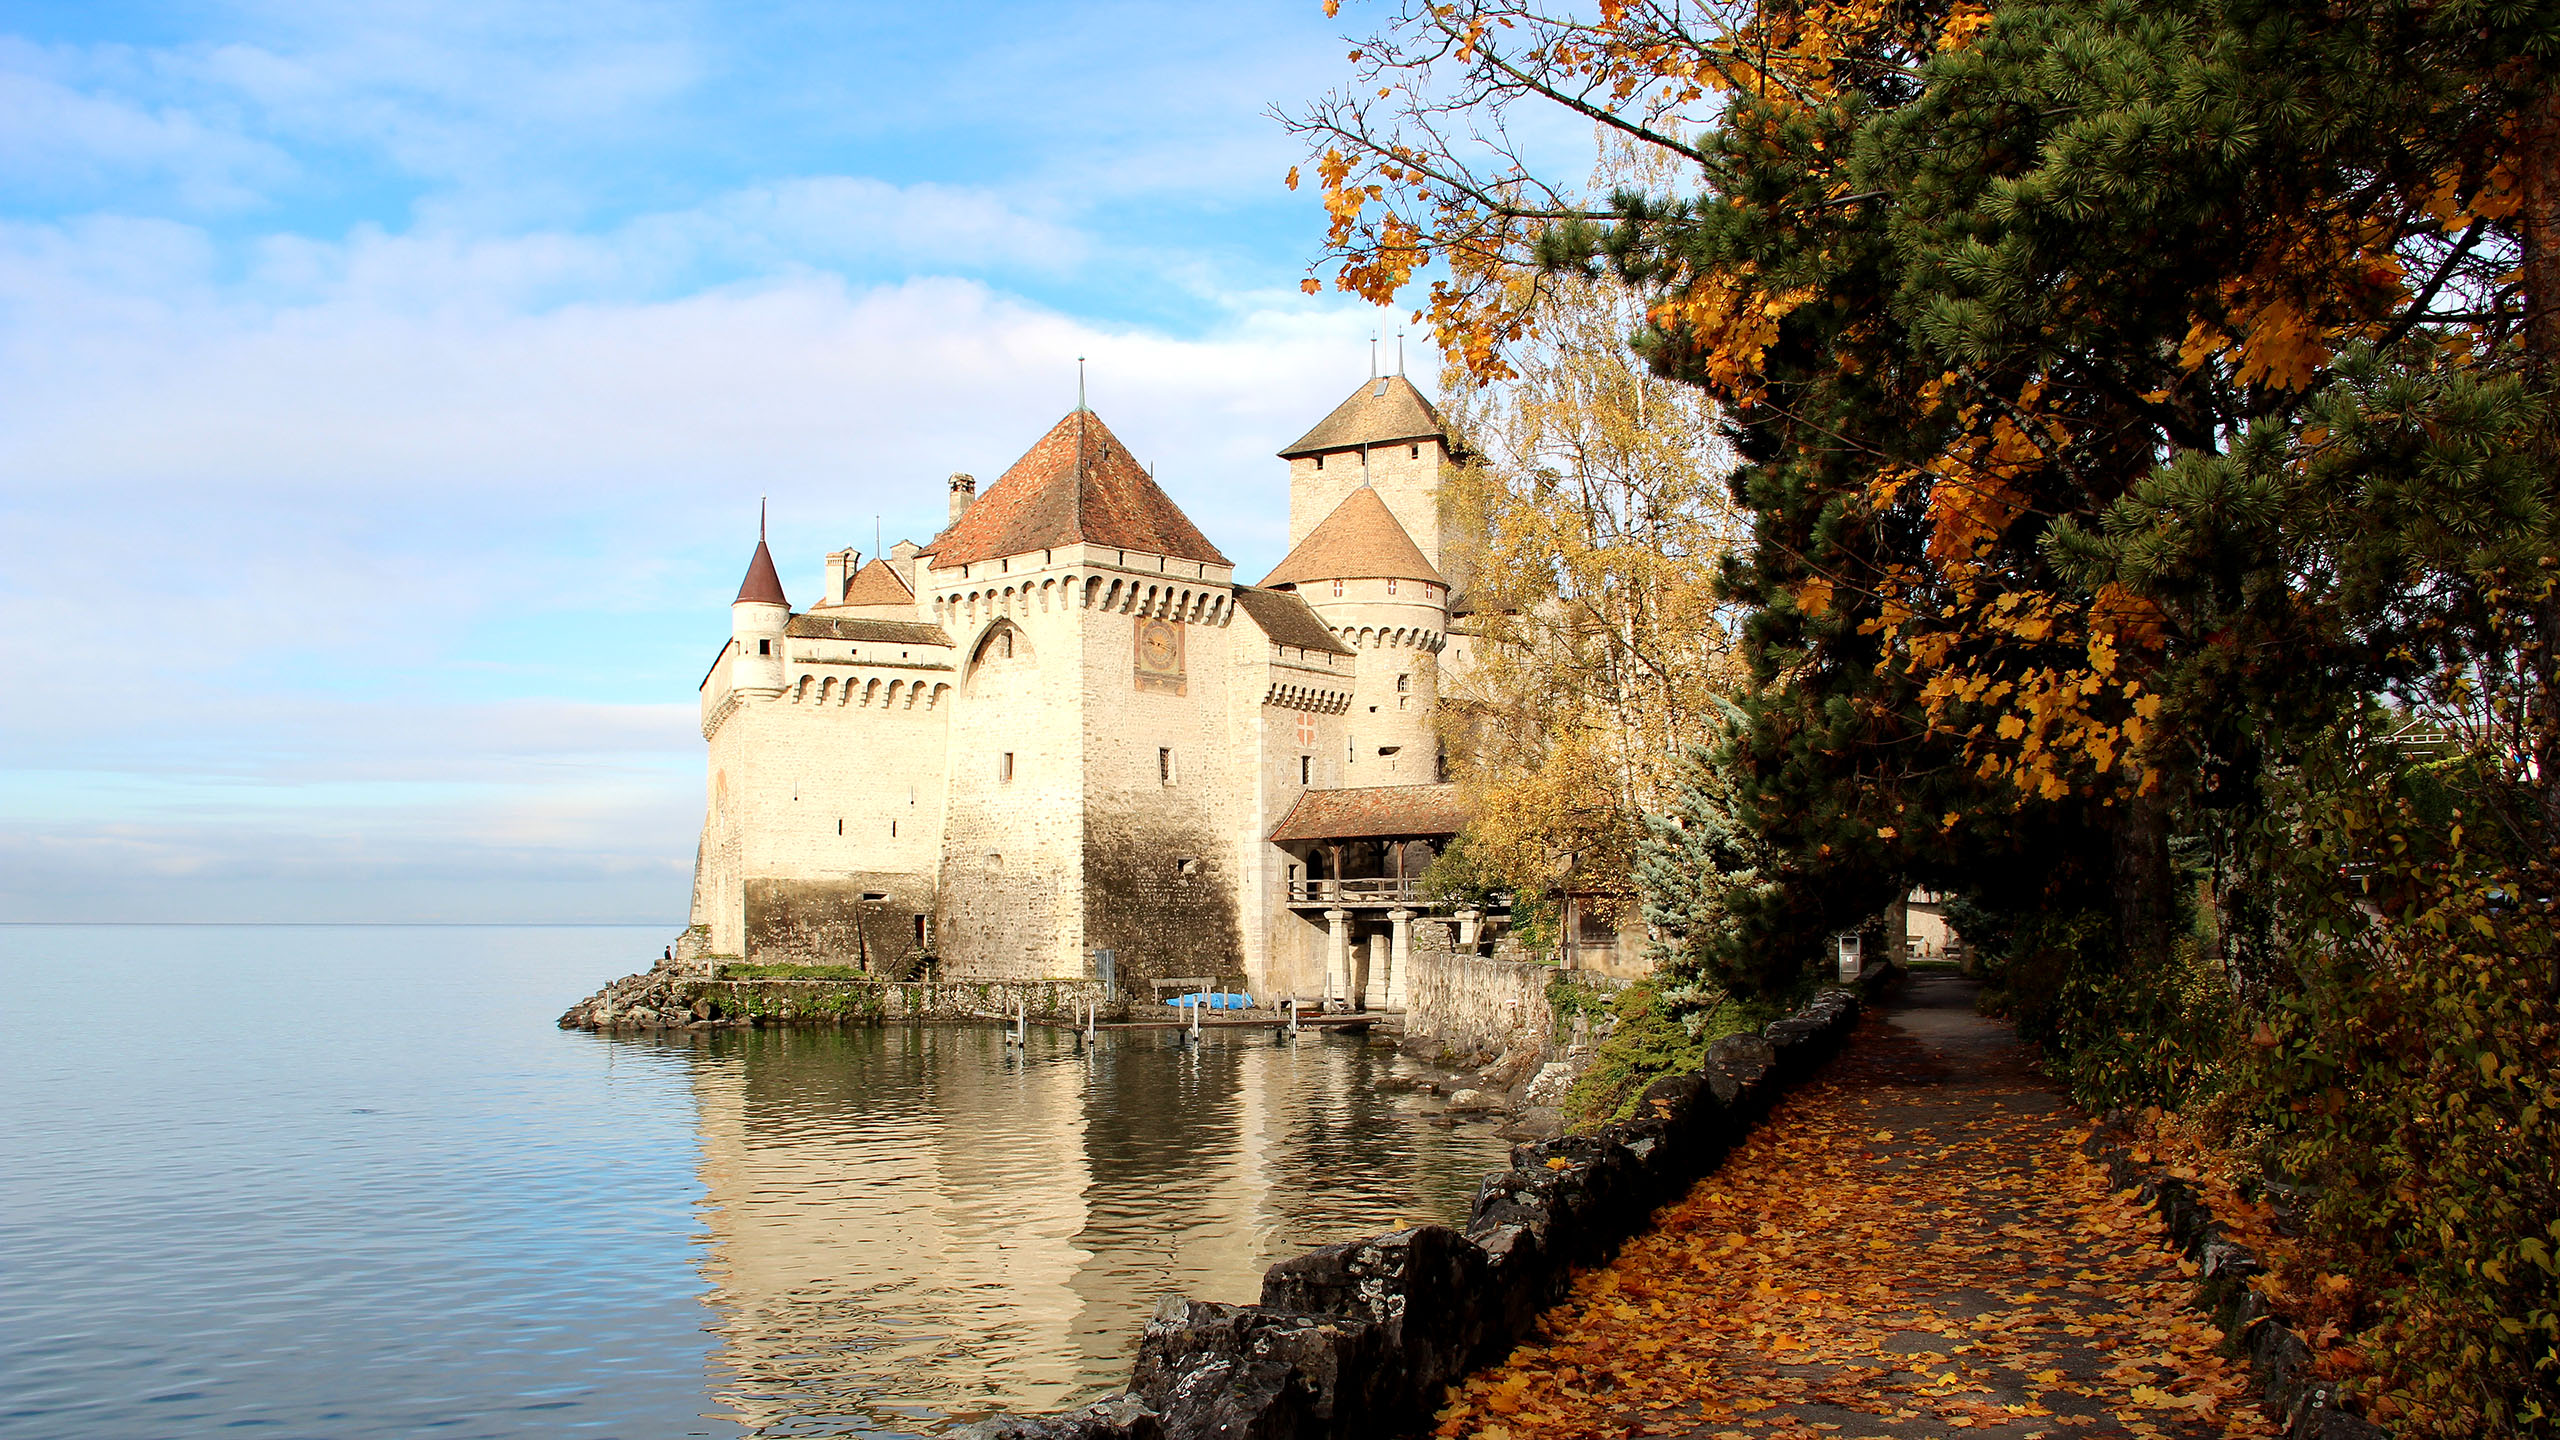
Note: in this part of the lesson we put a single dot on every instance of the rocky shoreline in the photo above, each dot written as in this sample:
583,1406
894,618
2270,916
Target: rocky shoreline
681,995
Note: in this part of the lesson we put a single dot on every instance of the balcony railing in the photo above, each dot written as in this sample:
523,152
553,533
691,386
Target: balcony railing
1386,890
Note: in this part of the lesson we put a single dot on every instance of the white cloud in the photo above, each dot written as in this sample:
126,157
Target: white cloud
58,140
390,571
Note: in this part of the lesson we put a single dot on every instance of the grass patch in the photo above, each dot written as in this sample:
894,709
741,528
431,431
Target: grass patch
1652,1040
796,972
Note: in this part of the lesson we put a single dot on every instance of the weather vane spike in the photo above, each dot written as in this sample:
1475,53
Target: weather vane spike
1399,352
1373,354
1080,383
760,519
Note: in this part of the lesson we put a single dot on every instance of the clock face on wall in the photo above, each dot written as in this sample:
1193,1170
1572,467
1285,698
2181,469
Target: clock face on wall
1159,655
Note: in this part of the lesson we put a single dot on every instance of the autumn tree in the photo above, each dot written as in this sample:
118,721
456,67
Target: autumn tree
1597,645
2130,399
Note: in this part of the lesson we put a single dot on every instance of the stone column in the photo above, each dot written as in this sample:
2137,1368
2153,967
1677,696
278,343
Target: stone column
1399,956
1337,955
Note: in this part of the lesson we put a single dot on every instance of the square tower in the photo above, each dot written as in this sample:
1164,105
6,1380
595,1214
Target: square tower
1386,435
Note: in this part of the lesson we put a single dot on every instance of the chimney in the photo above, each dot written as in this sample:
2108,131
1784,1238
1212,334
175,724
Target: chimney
964,489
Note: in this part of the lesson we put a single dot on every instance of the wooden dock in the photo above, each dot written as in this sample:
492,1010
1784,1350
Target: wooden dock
1358,1021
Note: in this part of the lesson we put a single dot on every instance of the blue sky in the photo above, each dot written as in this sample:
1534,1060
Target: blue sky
386,390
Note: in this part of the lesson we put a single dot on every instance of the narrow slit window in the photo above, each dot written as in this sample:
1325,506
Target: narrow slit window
1164,764
1306,769
1004,766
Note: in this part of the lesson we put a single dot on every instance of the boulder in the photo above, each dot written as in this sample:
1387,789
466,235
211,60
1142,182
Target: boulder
1547,1090
1119,1417
1746,1059
1476,1100
1538,1122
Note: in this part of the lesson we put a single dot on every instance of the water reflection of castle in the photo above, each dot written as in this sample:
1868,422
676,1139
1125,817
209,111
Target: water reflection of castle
908,1221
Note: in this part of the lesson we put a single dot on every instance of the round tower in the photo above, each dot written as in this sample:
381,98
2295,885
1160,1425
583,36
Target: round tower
757,620
1367,580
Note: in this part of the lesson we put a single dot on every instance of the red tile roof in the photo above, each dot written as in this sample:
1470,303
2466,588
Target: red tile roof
1287,620
1387,812
1079,484
877,583
761,585
848,627
1360,540
1382,411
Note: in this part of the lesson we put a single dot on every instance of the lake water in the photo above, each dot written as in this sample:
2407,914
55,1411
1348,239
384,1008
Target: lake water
352,1182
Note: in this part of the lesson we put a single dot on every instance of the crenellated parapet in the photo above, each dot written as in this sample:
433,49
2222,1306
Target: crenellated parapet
1199,602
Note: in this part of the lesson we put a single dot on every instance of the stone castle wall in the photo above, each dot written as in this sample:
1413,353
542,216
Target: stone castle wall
1013,844
1473,1005
829,790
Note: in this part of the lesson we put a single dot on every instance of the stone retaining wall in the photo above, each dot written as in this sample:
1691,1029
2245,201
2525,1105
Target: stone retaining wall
1470,1005
1360,1340
2309,1407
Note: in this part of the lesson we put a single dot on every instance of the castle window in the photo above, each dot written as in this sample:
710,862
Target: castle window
1417,452
1319,462
1337,589
1004,766
893,829
1404,684
1306,769
1164,764
924,931
764,647
839,825
1004,644
1391,587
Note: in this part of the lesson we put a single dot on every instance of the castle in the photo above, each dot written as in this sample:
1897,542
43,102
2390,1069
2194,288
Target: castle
1063,740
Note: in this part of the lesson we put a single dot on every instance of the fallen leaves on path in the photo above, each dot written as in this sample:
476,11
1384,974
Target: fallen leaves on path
1907,1247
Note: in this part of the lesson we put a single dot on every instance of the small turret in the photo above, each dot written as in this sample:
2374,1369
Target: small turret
964,491
757,619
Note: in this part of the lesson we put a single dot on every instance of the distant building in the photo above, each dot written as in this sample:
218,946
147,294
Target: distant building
1063,727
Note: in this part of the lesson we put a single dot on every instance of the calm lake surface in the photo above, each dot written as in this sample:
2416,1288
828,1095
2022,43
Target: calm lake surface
351,1182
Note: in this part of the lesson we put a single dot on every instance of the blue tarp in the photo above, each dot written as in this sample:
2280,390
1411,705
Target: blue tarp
1215,1000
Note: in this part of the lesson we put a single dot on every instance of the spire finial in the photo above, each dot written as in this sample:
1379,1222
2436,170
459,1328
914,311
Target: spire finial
760,503
1079,384
1373,354
1399,352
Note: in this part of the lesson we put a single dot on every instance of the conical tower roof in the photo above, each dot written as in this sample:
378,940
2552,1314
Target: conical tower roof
1078,485
1360,540
762,585
1385,410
